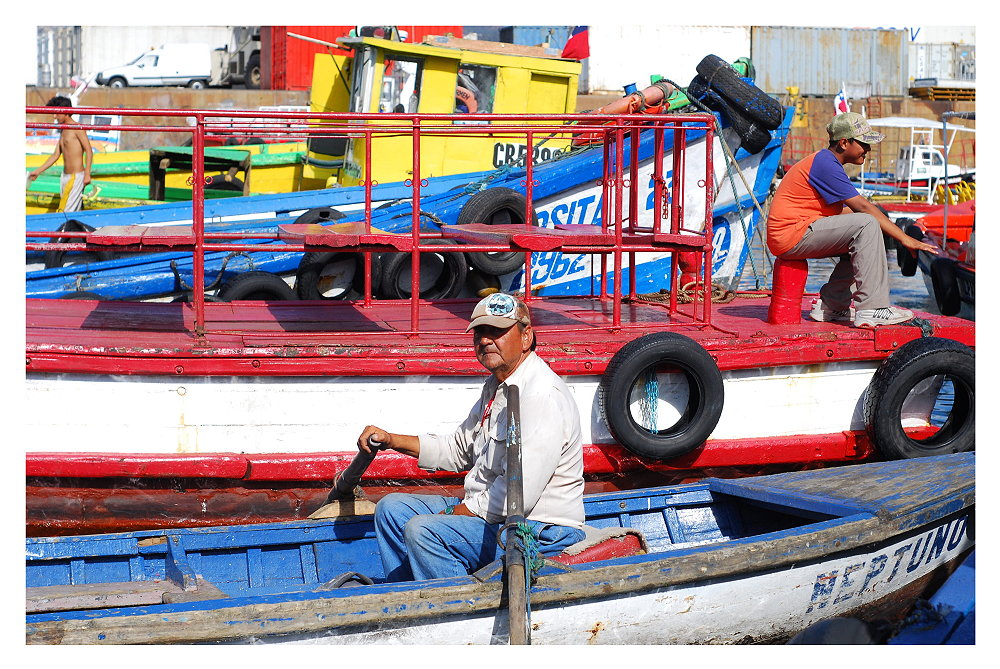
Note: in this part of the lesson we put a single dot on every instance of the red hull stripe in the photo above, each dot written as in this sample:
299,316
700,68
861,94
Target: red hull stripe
598,459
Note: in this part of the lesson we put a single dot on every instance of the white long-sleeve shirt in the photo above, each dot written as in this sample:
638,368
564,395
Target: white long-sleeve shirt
551,448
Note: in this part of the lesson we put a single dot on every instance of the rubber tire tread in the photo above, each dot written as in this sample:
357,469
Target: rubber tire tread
895,378
753,137
907,262
256,285
480,208
754,103
311,268
944,279
706,391
320,215
449,284
57,258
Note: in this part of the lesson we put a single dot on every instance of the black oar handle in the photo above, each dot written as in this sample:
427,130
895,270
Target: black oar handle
348,480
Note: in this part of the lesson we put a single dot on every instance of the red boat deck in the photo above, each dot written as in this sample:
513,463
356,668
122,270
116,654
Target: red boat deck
575,334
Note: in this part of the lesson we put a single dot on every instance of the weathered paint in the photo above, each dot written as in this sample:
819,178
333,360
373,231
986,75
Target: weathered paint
887,527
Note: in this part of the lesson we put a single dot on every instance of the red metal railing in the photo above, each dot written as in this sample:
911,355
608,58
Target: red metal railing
620,186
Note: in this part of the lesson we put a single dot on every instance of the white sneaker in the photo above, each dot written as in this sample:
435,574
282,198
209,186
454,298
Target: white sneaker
869,318
820,312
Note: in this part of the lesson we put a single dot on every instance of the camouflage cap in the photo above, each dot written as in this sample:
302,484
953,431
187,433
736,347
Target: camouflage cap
850,125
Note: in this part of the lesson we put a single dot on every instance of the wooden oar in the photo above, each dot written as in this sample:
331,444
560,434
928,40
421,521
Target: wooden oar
517,593
346,498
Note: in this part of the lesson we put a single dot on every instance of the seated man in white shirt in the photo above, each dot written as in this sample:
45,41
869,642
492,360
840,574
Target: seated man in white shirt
432,536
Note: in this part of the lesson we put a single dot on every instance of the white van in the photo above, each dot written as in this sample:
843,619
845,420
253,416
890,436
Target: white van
168,65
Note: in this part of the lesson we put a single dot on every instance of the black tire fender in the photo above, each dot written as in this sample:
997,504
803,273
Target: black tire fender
496,206
911,364
944,280
442,275
313,278
633,366
57,258
81,295
907,261
256,285
753,137
320,215
753,103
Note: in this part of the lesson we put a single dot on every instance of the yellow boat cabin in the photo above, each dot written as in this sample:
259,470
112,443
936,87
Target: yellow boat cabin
469,79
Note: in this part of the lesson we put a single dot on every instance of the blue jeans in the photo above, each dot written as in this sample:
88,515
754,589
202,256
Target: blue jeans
416,543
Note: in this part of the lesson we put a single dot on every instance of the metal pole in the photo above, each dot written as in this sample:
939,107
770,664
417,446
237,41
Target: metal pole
517,589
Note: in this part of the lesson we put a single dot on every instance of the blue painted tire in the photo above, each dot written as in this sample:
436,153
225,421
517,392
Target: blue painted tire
620,392
912,364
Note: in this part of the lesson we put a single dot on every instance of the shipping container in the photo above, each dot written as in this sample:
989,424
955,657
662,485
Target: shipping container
819,61
287,62
951,62
625,54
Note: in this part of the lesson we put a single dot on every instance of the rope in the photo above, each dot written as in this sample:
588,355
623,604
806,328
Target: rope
686,294
650,401
730,164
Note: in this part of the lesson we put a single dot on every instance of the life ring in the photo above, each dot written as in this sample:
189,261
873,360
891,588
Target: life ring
907,261
466,97
57,258
752,102
685,380
753,137
912,364
334,276
496,206
256,285
442,275
944,280
320,215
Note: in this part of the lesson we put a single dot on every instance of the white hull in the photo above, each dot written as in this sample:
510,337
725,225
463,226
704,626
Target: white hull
203,414
759,607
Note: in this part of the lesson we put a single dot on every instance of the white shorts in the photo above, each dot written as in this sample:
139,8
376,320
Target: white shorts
71,192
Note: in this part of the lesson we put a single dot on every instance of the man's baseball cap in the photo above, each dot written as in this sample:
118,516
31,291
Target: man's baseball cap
499,310
850,125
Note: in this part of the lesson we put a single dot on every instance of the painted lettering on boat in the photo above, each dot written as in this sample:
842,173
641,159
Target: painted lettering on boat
513,154
855,579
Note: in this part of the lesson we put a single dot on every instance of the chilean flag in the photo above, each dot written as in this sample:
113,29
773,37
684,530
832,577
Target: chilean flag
840,102
578,45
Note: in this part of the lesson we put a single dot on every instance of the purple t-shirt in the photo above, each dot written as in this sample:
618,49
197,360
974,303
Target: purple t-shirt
829,179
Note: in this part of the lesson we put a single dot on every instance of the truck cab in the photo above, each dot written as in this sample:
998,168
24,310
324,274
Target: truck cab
167,65
468,79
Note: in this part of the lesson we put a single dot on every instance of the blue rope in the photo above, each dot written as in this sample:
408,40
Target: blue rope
650,401
533,560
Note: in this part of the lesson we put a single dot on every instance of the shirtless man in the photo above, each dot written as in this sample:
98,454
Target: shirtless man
73,146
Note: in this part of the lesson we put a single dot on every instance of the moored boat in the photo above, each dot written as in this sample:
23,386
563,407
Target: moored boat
719,561
665,381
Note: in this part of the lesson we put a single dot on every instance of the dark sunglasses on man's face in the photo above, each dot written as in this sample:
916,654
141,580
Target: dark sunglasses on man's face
864,145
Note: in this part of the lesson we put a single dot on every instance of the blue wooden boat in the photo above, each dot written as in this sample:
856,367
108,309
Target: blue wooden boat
949,617
719,561
566,192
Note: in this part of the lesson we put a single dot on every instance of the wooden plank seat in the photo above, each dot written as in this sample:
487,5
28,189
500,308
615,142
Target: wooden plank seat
41,599
144,235
341,235
530,239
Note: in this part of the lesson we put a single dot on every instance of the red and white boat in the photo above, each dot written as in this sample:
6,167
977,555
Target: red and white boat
145,414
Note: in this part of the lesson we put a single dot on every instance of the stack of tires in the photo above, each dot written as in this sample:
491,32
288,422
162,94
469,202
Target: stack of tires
751,111
340,275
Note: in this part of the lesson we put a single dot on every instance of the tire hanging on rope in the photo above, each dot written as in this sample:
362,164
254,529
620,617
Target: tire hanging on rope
754,103
944,280
907,261
753,137
922,362
651,375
